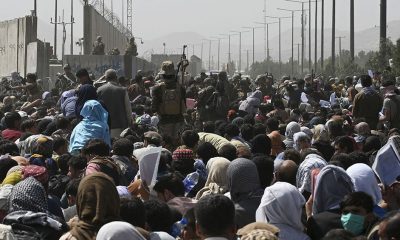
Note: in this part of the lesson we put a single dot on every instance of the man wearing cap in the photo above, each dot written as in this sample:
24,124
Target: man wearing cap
169,102
117,103
98,46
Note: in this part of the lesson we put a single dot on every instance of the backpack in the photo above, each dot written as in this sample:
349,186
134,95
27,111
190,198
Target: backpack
171,103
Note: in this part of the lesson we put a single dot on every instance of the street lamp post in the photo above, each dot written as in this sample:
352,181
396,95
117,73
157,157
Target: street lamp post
292,11
302,32
253,28
280,45
340,49
219,47
240,48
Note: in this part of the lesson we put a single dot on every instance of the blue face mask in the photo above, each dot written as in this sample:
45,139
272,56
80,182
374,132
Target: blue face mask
353,223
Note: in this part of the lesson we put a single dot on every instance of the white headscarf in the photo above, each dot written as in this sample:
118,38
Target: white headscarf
364,180
119,231
281,205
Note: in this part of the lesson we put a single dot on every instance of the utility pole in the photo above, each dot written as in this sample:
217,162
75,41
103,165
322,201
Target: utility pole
298,57
240,49
322,34
247,53
383,26
72,28
340,49
316,38
352,30
302,32
292,11
63,24
201,54
229,45
55,29
253,29
280,45
309,36
333,33
266,55
164,47
209,57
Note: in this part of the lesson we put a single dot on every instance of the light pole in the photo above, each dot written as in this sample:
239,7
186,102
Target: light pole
340,49
280,45
322,33
302,32
219,47
252,28
292,11
240,48
333,34
267,40
229,45
352,30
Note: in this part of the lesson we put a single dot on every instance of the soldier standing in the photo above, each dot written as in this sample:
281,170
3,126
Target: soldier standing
98,46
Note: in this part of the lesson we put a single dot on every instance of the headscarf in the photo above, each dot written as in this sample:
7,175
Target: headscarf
281,204
38,172
303,176
364,180
28,195
242,178
217,182
320,133
85,92
387,162
12,178
97,203
276,143
119,231
307,131
93,126
296,137
291,129
67,94
332,185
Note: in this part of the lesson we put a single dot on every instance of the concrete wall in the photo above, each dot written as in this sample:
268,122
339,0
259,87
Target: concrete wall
96,25
15,35
124,65
37,59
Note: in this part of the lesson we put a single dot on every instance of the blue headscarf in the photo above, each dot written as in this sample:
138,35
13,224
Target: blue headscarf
93,126
85,92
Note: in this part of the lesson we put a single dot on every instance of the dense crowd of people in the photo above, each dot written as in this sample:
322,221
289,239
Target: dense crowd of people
207,157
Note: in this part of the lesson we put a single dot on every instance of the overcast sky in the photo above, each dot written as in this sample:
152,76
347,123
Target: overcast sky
155,18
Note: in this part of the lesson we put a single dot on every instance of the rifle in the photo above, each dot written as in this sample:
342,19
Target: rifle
182,65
